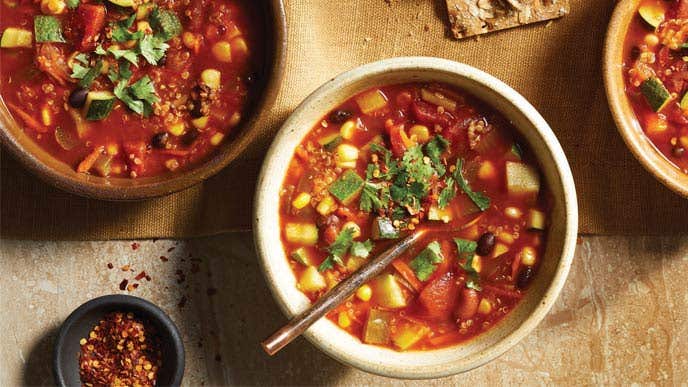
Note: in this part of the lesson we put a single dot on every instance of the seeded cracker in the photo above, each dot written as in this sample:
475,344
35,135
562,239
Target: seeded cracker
475,17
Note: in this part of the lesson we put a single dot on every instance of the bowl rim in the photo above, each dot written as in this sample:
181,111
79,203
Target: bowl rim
264,205
624,117
98,188
125,302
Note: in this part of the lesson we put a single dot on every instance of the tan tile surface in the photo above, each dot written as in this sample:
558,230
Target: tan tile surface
622,319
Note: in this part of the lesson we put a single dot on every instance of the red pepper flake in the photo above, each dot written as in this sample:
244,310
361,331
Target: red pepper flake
164,258
135,246
123,284
140,276
211,291
109,265
120,350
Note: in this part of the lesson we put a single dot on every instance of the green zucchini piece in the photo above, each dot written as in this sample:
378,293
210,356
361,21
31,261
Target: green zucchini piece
383,228
123,3
347,187
165,23
47,29
99,104
657,96
91,75
684,102
16,38
653,15
300,255
330,142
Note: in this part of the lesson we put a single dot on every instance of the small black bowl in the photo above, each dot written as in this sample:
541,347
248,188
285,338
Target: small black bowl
80,323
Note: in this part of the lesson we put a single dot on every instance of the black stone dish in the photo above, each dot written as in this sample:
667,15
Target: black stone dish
84,318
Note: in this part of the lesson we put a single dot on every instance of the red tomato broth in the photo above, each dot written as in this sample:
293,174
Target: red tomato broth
647,54
498,276
25,86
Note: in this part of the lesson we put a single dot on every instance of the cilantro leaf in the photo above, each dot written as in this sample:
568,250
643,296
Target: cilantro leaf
448,193
100,50
120,30
338,249
426,262
362,249
479,198
139,97
91,75
153,48
434,150
125,70
472,284
467,250
79,71
81,57
72,3
122,92
129,55
371,200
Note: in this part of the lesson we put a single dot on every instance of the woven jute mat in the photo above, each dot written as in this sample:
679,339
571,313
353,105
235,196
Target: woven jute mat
555,65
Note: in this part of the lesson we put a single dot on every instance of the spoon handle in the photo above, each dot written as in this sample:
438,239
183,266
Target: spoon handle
337,295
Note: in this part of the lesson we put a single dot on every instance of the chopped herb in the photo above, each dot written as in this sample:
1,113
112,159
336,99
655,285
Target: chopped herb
120,30
129,55
124,70
72,3
81,57
79,71
153,48
47,29
139,97
91,75
434,150
361,249
467,251
448,193
480,200
472,284
100,50
426,262
338,249
374,197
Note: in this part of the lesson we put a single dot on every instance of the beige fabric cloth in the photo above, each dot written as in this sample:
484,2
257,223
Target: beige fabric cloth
556,66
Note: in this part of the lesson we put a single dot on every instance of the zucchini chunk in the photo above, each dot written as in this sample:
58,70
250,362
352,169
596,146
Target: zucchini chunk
300,255
311,280
384,229
330,142
124,3
377,328
521,179
656,95
347,187
166,23
16,38
388,293
99,104
47,29
651,14
684,102
371,101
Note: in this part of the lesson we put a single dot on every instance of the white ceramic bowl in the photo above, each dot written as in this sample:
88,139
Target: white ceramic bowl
561,239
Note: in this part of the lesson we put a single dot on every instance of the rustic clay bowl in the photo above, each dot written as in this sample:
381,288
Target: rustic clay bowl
642,148
561,237
64,177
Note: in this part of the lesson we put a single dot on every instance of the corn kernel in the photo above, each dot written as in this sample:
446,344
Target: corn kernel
513,212
364,293
505,237
487,170
651,40
420,132
234,119
684,141
301,200
200,122
232,32
656,125
191,41
222,51
347,156
46,116
347,129
485,306
216,138
211,77
176,129
528,256
143,10
112,149
144,27
326,206
172,164
343,320
53,7
239,44
500,249
477,264
354,227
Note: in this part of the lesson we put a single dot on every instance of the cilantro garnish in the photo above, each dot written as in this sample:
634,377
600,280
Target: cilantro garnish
153,48
434,150
426,262
81,57
129,55
139,97
374,196
467,251
90,75
338,249
72,3
361,249
79,71
120,30
448,193
480,200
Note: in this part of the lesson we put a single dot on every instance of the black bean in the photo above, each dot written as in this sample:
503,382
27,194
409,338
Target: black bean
197,111
678,151
486,244
189,137
339,116
635,53
525,275
159,140
77,98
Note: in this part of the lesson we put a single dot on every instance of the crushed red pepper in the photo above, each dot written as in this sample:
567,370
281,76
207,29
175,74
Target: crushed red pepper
120,351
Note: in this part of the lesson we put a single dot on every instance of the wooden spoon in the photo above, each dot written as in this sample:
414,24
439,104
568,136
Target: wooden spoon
337,295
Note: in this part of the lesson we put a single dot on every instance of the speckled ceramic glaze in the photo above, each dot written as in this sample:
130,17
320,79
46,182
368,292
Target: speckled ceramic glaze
642,148
561,237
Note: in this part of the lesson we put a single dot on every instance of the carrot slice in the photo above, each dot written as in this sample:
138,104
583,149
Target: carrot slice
87,163
408,274
27,118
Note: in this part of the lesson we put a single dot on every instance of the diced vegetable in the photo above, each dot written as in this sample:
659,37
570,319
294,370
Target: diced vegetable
239,45
311,280
347,187
487,170
343,319
200,122
347,129
652,14
383,228
99,104
347,155
655,93
211,78
468,304
355,228
371,101
522,179
66,138
102,165
301,256
439,297
353,263
535,220
388,292
16,38
47,29
326,206
485,306
421,133
407,274
92,19
528,256
144,10
87,163
500,249
443,214
123,3
426,262
364,293
222,51
301,200
684,102
408,335
331,141
176,129
301,233
166,23
377,327
438,99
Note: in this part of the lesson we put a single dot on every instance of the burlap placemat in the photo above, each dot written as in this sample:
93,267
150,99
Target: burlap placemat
556,66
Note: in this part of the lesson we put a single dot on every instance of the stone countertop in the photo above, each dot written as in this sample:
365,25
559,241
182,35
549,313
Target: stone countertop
622,317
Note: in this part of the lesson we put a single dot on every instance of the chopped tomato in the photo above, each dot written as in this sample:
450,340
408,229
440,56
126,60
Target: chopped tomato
440,296
91,18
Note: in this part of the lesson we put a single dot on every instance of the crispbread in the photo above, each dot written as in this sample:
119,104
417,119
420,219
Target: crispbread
474,17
